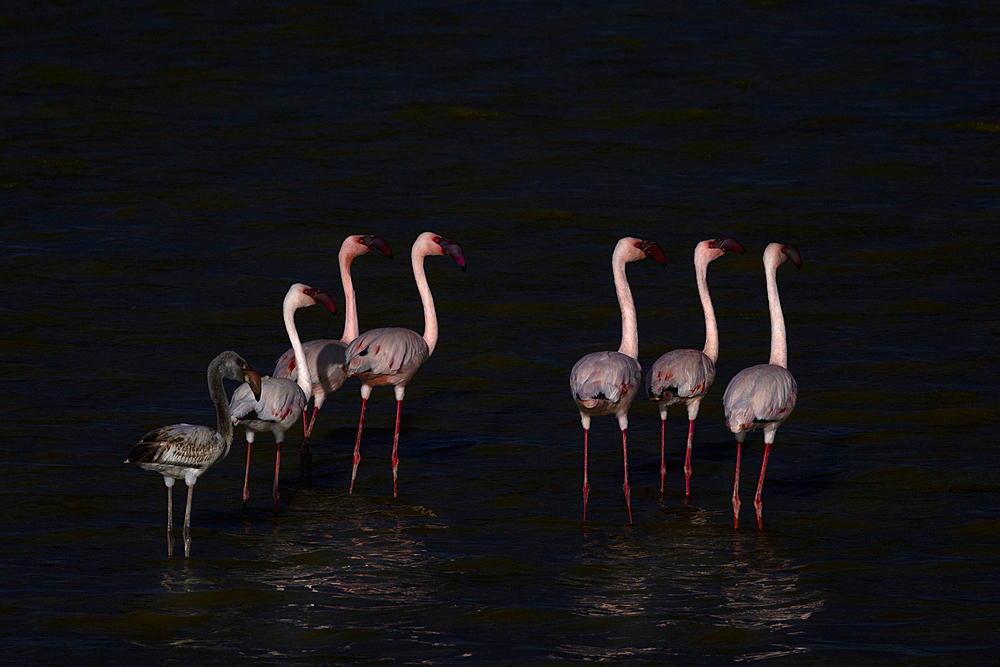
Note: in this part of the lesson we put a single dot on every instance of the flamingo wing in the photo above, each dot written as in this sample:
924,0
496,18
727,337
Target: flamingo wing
604,376
678,375
178,448
385,352
759,395
280,400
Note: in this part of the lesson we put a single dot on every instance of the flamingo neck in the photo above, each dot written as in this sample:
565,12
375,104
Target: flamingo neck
351,327
779,345
711,349
217,391
304,379
630,326
430,315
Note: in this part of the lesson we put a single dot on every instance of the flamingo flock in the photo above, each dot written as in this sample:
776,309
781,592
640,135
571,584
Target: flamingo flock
601,383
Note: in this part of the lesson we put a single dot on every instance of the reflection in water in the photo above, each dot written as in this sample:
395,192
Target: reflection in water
678,578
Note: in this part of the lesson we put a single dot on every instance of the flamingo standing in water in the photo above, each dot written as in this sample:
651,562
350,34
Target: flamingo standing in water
325,357
281,400
763,396
685,376
391,356
605,383
183,451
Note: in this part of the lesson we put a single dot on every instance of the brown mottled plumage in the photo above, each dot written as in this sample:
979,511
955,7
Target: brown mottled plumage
184,451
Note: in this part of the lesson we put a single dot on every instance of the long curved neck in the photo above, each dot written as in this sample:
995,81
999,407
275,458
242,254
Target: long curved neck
430,315
711,348
630,326
218,393
351,327
779,346
304,379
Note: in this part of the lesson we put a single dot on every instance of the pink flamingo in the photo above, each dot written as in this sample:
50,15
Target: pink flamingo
325,357
391,356
685,376
281,400
606,382
183,451
763,396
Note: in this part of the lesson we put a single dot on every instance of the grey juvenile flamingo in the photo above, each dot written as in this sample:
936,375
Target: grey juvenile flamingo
183,451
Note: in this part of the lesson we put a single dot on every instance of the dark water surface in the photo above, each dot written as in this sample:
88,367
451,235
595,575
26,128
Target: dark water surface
167,169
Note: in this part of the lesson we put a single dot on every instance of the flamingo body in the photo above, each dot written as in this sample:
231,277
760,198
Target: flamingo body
605,383
387,356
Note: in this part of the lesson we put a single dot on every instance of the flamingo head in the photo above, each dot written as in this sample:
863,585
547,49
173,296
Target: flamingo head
236,368
252,378
375,242
303,296
727,243
319,296
792,253
449,247
653,251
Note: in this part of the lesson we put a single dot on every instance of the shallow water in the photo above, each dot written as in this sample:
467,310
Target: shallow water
168,169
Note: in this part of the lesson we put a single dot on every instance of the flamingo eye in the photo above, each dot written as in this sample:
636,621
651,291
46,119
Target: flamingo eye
437,239
711,244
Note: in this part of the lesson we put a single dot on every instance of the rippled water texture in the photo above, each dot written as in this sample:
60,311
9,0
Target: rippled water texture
168,169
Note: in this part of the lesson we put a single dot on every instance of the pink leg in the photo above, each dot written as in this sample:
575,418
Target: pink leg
687,461
760,485
357,445
586,484
312,421
277,467
305,456
395,447
736,488
246,479
628,501
663,464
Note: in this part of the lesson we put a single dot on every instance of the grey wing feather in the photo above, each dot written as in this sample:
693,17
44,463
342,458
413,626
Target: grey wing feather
178,446
680,374
280,400
758,395
325,359
609,375
388,351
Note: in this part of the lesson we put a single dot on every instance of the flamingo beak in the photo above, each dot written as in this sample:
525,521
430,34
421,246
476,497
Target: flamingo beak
319,296
453,249
653,251
252,378
730,244
378,243
792,253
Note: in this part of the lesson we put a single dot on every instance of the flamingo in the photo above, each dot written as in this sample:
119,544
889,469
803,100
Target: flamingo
605,383
325,357
183,451
763,396
685,376
391,356
276,407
